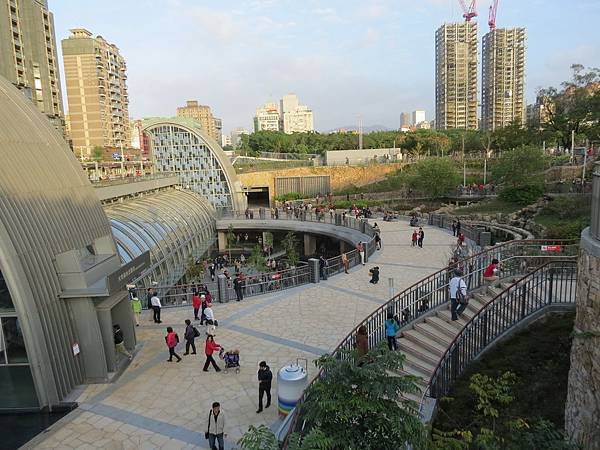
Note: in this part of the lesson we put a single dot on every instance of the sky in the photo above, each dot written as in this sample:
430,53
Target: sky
344,58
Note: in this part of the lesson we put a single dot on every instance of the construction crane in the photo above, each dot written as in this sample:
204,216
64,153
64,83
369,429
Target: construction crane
492,15
471,11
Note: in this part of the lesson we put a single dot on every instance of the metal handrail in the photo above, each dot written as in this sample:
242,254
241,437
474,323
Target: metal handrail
481,330
513,251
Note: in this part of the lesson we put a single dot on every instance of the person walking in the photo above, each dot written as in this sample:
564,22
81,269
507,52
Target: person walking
238,285
191,333
136,306
120,341
172,339
345,262
362,344
361,251
196,304
215,430
421,237
458,294
391,330
265,377
209,348
156,307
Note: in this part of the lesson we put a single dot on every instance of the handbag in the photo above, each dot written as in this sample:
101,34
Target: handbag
208,432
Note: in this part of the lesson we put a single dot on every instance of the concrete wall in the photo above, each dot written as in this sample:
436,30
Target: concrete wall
341,176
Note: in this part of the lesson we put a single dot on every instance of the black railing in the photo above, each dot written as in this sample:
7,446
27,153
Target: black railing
552,283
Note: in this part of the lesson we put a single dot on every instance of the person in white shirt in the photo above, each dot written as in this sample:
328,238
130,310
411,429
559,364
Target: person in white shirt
155,301
210,320
458,288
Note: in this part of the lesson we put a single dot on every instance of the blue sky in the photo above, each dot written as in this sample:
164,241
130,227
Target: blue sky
344,58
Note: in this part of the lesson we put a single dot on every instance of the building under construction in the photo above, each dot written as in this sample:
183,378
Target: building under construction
456,76
503,78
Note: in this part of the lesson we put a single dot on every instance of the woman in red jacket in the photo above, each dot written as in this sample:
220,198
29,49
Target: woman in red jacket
210,347
172,340
196,305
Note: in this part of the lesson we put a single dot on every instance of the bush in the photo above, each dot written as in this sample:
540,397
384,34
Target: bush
522,195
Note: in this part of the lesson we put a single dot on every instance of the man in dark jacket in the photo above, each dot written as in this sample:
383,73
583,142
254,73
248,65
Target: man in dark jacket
265,376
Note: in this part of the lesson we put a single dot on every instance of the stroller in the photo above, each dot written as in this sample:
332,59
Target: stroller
231,359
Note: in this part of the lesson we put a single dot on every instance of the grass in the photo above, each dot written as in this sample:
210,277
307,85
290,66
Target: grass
489,206
539,356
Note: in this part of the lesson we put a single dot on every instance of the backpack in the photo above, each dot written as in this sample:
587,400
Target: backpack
196,332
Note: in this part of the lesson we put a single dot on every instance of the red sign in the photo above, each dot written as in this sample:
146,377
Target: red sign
551,248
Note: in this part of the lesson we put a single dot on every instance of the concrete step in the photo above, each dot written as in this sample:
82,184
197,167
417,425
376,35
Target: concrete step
419,364
429,330
417,351
442,326
425,342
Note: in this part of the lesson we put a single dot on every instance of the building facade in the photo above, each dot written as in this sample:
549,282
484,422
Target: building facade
28,55
180,145
267,118
204,116
96,80
503,78
456,76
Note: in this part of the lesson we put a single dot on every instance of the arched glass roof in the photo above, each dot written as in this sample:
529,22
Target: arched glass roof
170,224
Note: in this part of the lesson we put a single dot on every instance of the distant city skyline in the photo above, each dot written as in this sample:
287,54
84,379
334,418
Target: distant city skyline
235,55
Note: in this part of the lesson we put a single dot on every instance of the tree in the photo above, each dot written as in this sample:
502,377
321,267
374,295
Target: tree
434,177
230,236
257,259
521,172
289,245
575,107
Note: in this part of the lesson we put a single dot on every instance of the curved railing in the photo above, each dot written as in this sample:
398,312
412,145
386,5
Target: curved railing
516,257
551,283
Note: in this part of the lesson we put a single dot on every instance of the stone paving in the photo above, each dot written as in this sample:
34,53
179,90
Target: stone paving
156,404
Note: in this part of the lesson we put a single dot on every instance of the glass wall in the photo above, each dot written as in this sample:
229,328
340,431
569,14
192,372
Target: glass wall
17,389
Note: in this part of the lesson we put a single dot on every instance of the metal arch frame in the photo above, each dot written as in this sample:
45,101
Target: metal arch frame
217,152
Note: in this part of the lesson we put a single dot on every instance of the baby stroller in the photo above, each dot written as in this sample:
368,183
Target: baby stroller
231,359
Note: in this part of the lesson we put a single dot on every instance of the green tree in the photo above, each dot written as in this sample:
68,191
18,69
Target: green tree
521,173
289,245
257,259
230,236
434,177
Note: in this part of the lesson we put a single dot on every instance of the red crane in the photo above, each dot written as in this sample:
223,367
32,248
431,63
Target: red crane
471,11
492,16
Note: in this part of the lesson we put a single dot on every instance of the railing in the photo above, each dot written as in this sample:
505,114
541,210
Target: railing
516,257
552,283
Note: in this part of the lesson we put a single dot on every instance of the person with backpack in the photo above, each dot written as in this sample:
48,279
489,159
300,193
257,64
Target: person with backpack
391,330
172,340
216,427
458,294
191,333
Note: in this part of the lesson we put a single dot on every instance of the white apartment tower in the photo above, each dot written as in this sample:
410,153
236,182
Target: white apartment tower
456,76
503,78
295,118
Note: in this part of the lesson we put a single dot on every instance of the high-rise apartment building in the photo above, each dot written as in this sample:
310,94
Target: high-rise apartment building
503,78
267,118
95,76
417,117
28,55
456,76
295,118
204,116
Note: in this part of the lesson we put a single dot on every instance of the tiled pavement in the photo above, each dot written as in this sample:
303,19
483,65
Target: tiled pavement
156,404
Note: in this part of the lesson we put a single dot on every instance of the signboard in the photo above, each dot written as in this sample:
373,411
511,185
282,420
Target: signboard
117,280
551,248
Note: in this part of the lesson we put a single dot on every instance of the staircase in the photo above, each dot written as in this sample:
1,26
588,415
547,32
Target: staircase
424,341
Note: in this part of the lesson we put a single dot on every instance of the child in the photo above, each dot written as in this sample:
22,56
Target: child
415,236
172,340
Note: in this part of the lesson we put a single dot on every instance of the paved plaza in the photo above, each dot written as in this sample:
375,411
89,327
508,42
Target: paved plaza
156,404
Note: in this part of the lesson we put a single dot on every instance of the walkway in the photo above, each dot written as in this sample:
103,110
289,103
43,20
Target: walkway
156,404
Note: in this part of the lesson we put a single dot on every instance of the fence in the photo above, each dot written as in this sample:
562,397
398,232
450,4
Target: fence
552,283
516,257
